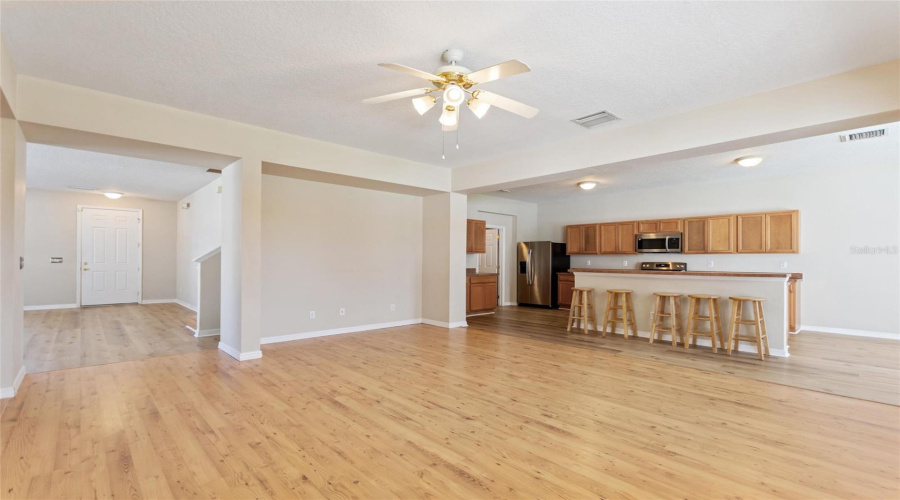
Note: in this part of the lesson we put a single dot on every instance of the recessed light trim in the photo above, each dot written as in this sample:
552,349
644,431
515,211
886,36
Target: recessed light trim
749,161
112,195
587,185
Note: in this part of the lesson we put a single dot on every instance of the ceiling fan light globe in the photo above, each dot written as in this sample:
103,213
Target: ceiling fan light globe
749,161
449,117
587,185
478,107
454,95
423,104
112,195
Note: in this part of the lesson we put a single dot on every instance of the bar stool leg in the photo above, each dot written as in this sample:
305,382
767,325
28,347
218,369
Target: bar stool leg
629,298
732,344
714,334
585,311
572,307
592,314
758,327
719,330
675,306
762,319
692,304
656,319
606,313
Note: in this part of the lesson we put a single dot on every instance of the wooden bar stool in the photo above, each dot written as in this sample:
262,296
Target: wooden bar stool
761,339
612,311
715,321
583,303
674,329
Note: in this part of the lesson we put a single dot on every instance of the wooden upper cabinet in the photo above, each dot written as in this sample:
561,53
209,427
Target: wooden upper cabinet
475,241
581,239
783,232
608,238
751,233
670,226
720,234
648,226
695,235
625,237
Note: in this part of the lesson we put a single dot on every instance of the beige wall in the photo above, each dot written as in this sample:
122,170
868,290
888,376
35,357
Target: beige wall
839,209
199,232
326,246
51,231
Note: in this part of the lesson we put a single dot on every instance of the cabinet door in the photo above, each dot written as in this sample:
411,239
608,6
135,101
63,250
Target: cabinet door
478,242
470,235
589,239
695,235
625,237
565,290
608,238
648,226
720,234
670,226
468,295
490,296
782,233
573,240
477,297
751,233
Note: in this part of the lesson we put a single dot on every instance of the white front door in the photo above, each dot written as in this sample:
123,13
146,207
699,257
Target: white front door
110,256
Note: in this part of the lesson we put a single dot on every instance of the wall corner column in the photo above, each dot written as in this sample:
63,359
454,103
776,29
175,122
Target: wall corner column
444,260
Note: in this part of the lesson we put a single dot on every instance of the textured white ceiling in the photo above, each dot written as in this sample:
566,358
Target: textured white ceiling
56,168
303,67
810,155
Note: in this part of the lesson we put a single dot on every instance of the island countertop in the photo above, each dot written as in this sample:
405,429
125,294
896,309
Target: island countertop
730,274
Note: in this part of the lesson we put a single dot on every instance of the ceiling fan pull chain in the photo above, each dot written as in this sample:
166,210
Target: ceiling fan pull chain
457,136
443,157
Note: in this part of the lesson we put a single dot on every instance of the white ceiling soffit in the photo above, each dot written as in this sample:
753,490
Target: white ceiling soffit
56,168
809,155
304,67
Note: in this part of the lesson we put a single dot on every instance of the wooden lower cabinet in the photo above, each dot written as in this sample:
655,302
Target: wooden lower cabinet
481,293
565,284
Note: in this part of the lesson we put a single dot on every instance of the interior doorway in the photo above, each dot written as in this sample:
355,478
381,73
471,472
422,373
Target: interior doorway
491,261
109,253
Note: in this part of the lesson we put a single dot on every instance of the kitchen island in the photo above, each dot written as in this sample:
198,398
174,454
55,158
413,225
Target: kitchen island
779,289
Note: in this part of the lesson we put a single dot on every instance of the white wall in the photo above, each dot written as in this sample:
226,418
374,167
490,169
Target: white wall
51,231
520,222
12,204
327,246
839,208
199,232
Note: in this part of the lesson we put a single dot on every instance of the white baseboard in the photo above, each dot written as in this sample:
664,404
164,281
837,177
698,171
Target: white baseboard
337,331
52,306
706,342
848,331
8,392
240,356
206,333
442,324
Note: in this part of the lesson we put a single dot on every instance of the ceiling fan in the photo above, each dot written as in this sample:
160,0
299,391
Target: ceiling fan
452,83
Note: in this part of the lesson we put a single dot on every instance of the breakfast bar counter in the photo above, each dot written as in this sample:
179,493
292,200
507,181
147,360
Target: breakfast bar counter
779,289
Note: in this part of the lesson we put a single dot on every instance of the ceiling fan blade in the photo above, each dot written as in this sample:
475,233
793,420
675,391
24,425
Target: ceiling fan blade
508,104
412,71
395,96
502,70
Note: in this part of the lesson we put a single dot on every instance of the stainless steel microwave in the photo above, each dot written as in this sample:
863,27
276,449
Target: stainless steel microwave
658,243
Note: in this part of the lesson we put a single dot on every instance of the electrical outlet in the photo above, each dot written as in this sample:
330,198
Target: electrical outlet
312,315
624,263
393,307
343,311
710,263
589,263
784,264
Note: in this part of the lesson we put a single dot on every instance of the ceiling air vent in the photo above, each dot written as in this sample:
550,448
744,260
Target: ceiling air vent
595,119
868,134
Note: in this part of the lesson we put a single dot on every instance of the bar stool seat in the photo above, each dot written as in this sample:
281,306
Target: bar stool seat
713,318
758,321
612,311
674,329
582,309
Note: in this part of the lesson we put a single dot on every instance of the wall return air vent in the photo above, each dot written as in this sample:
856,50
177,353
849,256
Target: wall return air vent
868,134
595,119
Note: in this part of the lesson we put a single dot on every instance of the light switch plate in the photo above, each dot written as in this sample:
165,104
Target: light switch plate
624,263
784,264
710,263
312,315
589,263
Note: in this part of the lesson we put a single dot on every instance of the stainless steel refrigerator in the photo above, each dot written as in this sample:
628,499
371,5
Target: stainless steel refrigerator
539,261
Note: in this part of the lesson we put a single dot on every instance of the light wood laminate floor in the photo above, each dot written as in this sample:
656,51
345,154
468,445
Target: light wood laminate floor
57,339
425,412
857,367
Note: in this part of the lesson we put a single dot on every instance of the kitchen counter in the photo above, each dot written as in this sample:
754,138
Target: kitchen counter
730,274
778,289
471,272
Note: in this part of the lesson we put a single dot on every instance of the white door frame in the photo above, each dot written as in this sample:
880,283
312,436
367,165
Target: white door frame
500,257
78,210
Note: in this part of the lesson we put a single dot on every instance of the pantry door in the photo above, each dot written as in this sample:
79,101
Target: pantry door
110,256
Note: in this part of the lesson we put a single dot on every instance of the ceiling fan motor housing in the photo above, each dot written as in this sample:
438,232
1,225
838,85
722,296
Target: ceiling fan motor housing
452,69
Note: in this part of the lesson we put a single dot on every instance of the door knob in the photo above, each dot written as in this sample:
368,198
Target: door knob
85,269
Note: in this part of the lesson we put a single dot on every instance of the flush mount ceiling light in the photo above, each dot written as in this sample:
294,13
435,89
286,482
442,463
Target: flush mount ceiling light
749,161
451,83
112,195
587,185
